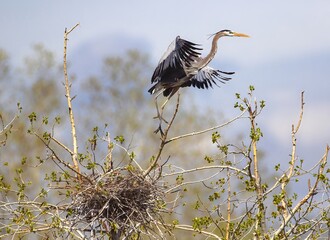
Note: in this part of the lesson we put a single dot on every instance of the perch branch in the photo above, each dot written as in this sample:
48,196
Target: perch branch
163,139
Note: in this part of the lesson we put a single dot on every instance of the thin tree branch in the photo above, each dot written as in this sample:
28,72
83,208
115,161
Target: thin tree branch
237,170
260,219
191,182
8,125
62,145
293,156
55,156
74,153
228,207
206,130
301,113
6,128
190,229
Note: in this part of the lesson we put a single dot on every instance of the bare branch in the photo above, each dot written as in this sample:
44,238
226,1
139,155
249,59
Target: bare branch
237,170
228,207
191,182
68,32
6,128
190,229
74,153
301,112
206,130
62,145
8,125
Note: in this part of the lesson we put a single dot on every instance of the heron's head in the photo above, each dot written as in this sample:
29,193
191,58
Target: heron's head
229,33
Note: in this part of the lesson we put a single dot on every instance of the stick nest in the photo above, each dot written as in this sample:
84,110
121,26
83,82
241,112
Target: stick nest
119,198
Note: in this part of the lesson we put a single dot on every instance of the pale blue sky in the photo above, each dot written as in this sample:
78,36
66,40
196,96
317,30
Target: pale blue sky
289,48
279,29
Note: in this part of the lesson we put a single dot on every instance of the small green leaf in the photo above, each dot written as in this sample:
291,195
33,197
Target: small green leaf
215,137
132,155
23,161
90,165
45,120
277,167
58,120
32,117
208,159
224,149
262,103
120,139
251,88
175,222
179,179
46,136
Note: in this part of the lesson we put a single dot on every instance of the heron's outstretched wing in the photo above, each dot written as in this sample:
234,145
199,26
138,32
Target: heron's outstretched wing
207,76
179,53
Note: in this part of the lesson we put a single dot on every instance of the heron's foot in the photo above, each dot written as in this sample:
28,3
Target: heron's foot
159,129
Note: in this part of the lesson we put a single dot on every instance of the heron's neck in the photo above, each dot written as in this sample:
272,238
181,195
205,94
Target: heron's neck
211,54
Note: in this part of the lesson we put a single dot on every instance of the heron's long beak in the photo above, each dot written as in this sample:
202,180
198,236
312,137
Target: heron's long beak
240,34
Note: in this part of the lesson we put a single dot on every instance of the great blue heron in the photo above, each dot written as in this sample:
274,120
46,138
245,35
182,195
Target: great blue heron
182,66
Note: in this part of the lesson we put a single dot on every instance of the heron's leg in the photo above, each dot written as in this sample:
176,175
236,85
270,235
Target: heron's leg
156,104
159,115
163,106
160,112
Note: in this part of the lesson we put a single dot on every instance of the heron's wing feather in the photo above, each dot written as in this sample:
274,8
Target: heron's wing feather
206,77
179,53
